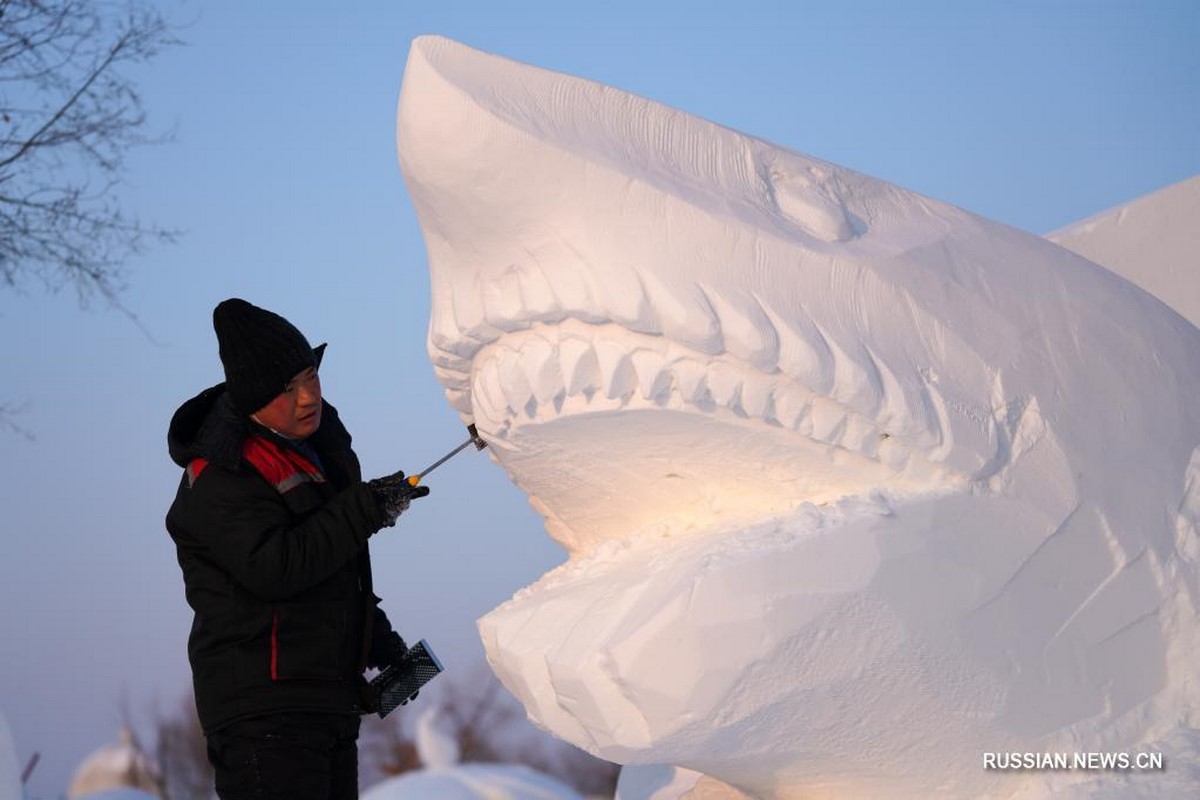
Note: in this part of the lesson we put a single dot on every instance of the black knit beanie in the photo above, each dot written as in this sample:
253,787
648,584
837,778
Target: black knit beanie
261,351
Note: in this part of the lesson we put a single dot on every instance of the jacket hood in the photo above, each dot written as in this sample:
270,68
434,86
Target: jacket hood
209,427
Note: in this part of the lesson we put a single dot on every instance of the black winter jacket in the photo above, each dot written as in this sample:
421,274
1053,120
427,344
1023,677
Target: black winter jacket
273,549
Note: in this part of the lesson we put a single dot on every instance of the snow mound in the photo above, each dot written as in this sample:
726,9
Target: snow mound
121,768
857,486
1153,241
472,782
442,777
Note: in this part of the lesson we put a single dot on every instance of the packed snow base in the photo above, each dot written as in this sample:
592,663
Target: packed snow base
856,486
442,776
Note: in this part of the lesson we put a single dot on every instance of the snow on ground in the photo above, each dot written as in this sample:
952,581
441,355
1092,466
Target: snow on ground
443,778
110,773
472,782
1153,241
121,768
858,487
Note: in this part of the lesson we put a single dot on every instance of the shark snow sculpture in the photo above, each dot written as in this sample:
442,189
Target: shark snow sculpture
858,488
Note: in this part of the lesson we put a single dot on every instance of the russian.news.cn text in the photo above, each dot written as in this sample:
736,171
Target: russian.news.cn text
1122,762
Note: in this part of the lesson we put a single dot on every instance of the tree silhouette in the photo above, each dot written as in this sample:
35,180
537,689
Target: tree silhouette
68,116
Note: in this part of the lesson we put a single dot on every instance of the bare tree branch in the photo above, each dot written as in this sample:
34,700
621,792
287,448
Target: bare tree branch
182,755
68,117
7,414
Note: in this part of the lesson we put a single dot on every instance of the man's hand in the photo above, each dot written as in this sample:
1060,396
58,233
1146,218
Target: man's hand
393,494
389,650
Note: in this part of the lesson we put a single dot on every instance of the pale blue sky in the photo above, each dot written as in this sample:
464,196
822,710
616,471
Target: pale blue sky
283,176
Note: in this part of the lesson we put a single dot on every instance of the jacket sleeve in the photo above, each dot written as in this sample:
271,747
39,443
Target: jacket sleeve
242,524
386,644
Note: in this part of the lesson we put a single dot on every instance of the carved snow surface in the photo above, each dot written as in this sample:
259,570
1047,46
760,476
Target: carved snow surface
856,486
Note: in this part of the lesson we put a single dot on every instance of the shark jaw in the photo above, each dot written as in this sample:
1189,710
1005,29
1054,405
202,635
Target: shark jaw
552,314
614,433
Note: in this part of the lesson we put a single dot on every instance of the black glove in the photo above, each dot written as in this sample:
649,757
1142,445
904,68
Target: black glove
393,494
386,652
389,650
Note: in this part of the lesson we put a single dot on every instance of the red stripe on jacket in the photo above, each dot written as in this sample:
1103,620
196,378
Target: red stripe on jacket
282,467
194,469
275,646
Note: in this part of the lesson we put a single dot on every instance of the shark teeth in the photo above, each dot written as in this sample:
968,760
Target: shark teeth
749,334
791,405
695,320
627,303
828,420
579,367
575,368
685,316
692,379
514,383
757,395
542,369
617,376
653,376
725,385
470,315
502,301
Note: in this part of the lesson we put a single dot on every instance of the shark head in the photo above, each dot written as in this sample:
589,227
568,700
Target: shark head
669,331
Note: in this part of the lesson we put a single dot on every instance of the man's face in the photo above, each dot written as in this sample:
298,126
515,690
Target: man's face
296,411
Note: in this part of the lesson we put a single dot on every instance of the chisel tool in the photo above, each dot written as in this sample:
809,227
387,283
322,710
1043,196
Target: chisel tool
479,443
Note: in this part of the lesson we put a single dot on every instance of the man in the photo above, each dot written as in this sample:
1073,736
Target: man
271,522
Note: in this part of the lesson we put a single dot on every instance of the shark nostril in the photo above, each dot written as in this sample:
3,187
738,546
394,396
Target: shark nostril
801,196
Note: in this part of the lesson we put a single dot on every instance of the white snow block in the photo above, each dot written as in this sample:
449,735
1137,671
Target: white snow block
857,487
1153,241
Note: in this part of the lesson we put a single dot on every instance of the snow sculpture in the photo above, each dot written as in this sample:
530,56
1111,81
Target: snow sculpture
445,779
661,782
857,487
1153,241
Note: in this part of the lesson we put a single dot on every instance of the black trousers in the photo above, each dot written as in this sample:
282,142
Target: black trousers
295,756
